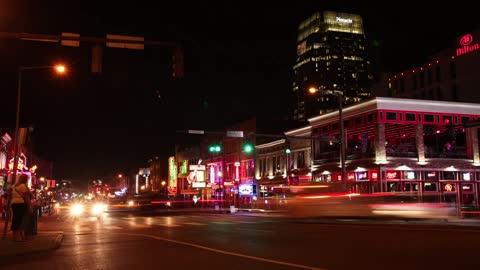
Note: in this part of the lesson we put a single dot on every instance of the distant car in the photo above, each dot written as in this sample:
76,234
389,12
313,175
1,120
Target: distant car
88,209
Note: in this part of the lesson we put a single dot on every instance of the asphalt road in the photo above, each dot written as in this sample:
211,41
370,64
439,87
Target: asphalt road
226,241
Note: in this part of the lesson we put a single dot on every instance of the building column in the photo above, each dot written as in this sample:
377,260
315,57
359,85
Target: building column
380,151
472,144
420,143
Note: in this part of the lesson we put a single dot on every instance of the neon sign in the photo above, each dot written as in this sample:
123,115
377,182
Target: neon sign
465,42
212,174
172,172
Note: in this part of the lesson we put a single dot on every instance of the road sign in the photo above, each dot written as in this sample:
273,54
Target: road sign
125,45
71,43
236,134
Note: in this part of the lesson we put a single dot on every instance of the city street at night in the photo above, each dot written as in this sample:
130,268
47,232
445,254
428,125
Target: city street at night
239,241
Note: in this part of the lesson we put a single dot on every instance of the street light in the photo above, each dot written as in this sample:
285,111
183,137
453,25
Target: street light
59,69
339,95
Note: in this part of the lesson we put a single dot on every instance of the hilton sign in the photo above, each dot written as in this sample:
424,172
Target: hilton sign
465,42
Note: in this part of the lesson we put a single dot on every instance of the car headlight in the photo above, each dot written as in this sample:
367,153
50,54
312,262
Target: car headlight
77,209
98,208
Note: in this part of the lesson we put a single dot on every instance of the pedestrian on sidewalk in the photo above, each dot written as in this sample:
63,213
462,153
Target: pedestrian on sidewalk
20,206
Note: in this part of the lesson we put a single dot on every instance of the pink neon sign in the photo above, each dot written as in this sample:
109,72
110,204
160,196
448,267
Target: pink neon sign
465,42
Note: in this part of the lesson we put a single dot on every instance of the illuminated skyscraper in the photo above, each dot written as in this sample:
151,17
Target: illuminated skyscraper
332,58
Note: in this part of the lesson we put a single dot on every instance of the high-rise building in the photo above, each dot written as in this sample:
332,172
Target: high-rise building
331,58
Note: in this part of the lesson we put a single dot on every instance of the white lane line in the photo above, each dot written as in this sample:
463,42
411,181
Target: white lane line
195,223
227,252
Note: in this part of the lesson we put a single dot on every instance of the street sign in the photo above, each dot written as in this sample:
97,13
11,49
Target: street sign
72,43
125,45
236,134
469,124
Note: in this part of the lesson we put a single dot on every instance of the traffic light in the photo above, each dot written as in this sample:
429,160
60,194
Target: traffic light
248,148
177,63
215,148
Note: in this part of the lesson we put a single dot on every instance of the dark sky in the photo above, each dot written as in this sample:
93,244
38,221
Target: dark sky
238,64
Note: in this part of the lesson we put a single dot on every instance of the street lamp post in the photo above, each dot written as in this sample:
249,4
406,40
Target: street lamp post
342,141
59,69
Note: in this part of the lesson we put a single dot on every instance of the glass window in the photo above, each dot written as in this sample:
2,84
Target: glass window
429,186
465,119
391,116
453,70
370,117
466,176
429,76
467,187
429,118
437,73
358,120
449,175
335,126
409,175
439,93
448,187
325,129
430,94
422,79
454,92
414,82
410,116
402,85
430,175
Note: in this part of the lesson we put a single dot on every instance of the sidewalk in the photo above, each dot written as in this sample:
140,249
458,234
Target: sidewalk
44,241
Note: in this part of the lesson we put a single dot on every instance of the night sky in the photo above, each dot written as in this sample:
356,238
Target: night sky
238,56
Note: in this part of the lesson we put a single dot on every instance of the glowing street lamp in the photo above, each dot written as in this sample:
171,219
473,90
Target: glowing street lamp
59,69
312,90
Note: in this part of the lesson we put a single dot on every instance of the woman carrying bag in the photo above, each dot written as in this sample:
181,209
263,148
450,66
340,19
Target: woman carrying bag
21,206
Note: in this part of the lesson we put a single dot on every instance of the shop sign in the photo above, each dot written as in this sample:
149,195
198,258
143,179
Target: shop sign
362,176
392,175
465,42
373,175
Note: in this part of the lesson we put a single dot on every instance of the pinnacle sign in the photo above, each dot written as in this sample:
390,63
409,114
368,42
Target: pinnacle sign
465,42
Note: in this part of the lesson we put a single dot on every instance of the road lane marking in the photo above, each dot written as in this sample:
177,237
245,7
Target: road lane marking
195,223
168,225
227,252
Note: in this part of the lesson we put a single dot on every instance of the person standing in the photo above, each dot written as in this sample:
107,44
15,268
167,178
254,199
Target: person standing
21,206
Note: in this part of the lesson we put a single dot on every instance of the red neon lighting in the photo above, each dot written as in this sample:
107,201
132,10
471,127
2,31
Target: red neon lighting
429,64
392,175
466,40
467,49
413,71
438,61
448,187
